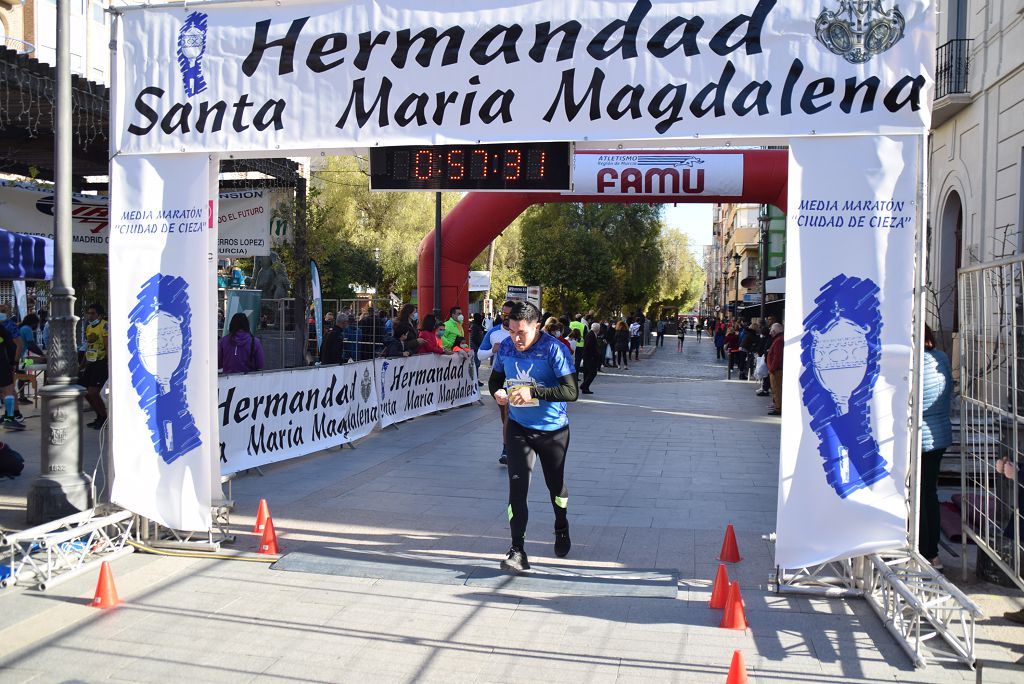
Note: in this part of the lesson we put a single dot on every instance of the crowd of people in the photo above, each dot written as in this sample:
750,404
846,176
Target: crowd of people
24,343
754,351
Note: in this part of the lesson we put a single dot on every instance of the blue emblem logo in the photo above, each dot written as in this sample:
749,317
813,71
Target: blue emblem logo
160,345
839,353
191,48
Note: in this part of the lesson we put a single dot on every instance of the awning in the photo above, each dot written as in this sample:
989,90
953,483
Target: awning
25,257
775,286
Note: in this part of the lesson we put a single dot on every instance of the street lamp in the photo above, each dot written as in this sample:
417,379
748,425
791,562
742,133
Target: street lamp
764,222
736,306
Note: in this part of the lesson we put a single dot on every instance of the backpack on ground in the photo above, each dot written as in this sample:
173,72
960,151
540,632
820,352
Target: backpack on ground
11,462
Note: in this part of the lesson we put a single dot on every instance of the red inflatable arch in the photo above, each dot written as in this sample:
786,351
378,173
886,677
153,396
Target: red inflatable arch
481,216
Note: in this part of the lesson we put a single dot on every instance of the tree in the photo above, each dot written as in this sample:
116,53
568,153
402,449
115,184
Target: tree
682,278
394,222
565,254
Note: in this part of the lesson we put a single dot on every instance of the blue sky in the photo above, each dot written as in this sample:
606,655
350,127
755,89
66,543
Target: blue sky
695,221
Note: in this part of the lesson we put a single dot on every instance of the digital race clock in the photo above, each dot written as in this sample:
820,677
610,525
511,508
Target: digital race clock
512,166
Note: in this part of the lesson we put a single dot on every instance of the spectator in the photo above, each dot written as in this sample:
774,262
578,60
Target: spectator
353,335
453,328
476,338
622,341
44,328
8,360
591,357
634,338
774,361
429,343
720,343
93,375
936,436
737,358
239,351
749,346
581,329
408,315
332,351
395,346
554,328
661,333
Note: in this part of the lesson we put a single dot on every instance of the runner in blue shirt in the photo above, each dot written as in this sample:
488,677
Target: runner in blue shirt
488,347
534,376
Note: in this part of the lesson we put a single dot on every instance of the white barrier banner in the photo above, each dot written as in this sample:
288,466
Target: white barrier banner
407,387
458,381
417,385
243,225
326,75
269,417
160,322
657,172
849,306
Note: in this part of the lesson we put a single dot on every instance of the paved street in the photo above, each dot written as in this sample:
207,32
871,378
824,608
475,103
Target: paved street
661,458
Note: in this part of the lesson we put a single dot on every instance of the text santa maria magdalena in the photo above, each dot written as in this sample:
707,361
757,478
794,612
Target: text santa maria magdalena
581,92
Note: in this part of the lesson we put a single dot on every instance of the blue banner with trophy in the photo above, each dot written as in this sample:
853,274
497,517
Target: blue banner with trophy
846,375
160,321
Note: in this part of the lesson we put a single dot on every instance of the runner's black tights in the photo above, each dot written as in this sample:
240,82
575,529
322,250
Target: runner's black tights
524,446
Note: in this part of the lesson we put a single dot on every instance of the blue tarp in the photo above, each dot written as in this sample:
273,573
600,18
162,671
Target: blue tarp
25,257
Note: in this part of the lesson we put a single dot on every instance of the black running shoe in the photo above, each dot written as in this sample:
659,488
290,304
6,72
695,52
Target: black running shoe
515,561
562,543
503,459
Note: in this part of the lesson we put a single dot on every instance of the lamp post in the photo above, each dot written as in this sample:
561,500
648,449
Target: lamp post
736,305
61,488
763,222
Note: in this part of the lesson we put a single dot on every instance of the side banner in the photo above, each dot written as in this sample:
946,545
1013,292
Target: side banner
160,320
850,239
418,385
318,307
244,223
269,417
457,381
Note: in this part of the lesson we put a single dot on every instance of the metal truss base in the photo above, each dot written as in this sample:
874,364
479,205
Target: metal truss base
48,554
931,619
160,537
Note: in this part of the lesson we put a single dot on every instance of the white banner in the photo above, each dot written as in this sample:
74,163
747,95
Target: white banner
269,417
849,305
457,381
326,75
244,223
417,385
657,172
160,322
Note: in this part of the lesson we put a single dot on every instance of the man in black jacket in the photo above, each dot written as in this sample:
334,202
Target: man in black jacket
333,348
591,357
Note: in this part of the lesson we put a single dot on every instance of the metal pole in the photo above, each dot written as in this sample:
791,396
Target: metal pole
61,488
917,376
736,302
437,256
766,222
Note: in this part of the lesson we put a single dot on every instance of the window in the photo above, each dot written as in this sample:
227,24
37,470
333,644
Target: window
98,15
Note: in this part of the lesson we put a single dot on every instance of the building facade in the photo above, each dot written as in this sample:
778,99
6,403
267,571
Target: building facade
32,26
976,147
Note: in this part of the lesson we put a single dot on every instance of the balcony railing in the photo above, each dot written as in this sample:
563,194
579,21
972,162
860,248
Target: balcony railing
952,63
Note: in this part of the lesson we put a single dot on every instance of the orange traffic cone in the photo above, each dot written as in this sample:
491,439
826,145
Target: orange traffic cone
268,545
720,590
106,592
730,552
262,513
734,616
737,670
